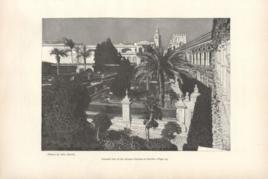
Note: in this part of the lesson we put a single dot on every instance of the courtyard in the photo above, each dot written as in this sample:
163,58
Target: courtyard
143,96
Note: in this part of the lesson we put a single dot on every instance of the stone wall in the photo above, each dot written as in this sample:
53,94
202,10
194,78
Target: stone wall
221,97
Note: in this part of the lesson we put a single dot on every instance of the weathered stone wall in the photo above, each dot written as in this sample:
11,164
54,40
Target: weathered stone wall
221,97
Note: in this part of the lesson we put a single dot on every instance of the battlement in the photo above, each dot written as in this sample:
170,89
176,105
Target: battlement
177,40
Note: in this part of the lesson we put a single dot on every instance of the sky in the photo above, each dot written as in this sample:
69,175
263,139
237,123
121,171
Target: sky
122,30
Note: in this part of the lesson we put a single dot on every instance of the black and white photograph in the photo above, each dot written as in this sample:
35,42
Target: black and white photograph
135,84
133,89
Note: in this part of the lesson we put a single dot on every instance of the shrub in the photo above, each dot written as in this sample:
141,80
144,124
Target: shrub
63,116
119,140
160,144
169,130
102,123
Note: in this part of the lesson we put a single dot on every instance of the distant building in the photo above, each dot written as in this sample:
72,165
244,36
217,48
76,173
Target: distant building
128,51
67,61
177,40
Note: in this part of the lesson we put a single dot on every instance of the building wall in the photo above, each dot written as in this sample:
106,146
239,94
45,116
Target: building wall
129,51
211,66
221,97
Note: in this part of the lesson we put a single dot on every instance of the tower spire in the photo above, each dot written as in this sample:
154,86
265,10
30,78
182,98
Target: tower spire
157,29
157,37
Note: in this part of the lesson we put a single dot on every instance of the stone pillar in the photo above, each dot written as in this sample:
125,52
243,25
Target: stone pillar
199,58
208,58
184,114
194,95
192,60
180,114
190,108
126,110
202,58
188,112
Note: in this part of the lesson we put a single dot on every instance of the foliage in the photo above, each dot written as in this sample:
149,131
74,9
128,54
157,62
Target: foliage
84,53
152,113
102,123
169,130
160,66
106,53
64,124
160,144
58,53
152,109
123,78
120,140
69,43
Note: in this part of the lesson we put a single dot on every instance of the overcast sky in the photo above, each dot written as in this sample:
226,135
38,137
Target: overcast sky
124,30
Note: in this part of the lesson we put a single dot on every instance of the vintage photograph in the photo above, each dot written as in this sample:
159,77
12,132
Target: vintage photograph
135,84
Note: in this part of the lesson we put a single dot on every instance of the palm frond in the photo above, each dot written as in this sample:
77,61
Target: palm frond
58,52
82,52
144,76
69,43
145,56
143,73
177,55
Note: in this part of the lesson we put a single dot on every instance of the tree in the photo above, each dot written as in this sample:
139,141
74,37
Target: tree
160,66
84,53
169,130
106,53
58,54
64,124
123,78
152,113
70,44
101,122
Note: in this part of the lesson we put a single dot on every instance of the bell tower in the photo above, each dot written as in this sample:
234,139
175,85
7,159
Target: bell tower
157,38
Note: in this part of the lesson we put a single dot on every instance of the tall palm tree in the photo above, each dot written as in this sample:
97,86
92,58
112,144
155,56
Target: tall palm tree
161,66
58,53
84,53
70,44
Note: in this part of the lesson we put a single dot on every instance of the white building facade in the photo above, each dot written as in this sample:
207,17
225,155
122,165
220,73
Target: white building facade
128,51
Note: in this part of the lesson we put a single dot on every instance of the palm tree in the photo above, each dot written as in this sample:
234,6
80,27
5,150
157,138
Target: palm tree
58,54
160,66
152,113
69,43
84,53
